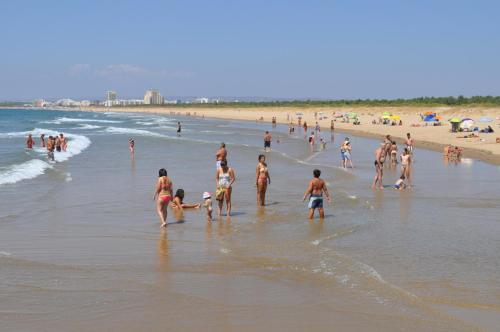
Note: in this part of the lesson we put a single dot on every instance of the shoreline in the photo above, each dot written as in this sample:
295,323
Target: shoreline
426,137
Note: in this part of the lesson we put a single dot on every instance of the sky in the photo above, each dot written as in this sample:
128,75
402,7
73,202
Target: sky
271,49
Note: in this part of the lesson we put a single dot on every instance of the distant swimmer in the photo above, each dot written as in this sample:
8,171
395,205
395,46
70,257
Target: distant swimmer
379,166
207,204
262,179
315,192
179,129
30,142
42,140
224,179
178,201
131,145
163,195
267,141
410,143
51,145
64,142
221,154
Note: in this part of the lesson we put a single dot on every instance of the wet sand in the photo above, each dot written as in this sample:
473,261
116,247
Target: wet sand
81,248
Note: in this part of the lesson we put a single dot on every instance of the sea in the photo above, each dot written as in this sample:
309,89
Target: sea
81,248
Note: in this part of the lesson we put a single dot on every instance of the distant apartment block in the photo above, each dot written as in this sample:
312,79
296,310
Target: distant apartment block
153,97
111,95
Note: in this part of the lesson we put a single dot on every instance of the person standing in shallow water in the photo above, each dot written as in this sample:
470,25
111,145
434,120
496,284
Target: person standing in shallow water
379,166
179,129
30,142
262,178
163,195
267,141
221,155
315,192
224,179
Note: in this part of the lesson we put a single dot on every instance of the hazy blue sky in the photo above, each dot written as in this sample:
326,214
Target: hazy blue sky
281,49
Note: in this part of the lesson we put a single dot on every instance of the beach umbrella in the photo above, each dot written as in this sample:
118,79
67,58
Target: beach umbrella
338,114
485,119
455,120
299,114
395,117
467,123
386,117
386,114
352,115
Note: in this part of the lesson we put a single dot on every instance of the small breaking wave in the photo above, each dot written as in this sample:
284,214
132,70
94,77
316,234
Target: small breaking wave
24,171
88,127
141,132
77,120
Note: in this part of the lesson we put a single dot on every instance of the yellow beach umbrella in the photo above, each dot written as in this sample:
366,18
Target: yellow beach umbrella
395,117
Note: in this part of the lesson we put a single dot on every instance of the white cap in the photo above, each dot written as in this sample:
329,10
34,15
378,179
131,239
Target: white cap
206,195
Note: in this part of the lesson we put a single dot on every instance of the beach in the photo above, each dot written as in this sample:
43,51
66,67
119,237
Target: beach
484,147
81,246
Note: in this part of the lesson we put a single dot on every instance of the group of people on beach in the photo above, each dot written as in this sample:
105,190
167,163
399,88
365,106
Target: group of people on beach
54,143
388,151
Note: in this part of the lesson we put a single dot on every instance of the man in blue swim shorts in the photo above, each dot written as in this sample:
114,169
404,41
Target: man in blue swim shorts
315,192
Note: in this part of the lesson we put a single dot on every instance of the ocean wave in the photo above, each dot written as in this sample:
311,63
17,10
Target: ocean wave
77,120
88,126
24,171
36,167
141,132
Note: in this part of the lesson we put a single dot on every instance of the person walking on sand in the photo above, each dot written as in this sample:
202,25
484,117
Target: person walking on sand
379,166
30,142
262,178
224,179
267,141
163,195
221,154
315,192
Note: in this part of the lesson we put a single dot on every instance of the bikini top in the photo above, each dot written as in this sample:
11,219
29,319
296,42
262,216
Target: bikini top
166,185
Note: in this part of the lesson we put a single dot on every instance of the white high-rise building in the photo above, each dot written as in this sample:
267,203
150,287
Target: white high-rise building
110,95
153,97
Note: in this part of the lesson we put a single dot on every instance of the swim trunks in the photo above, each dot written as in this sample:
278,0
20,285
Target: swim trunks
267,144
316,202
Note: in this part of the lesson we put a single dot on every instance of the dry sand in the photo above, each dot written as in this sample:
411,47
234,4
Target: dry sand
431,137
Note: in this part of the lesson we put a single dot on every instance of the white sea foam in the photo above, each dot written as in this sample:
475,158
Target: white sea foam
88,126
24,171
77,120
5,254
141,132
35,167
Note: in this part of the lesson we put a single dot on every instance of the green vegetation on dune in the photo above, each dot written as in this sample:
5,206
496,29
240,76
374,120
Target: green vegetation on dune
421,101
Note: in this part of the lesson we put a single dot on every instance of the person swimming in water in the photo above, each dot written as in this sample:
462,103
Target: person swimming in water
178,201
224,179
163,195
315,192
262,180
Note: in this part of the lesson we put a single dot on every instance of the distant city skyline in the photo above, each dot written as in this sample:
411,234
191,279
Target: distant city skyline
259,49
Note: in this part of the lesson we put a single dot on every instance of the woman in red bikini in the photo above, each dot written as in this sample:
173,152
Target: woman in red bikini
163,195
